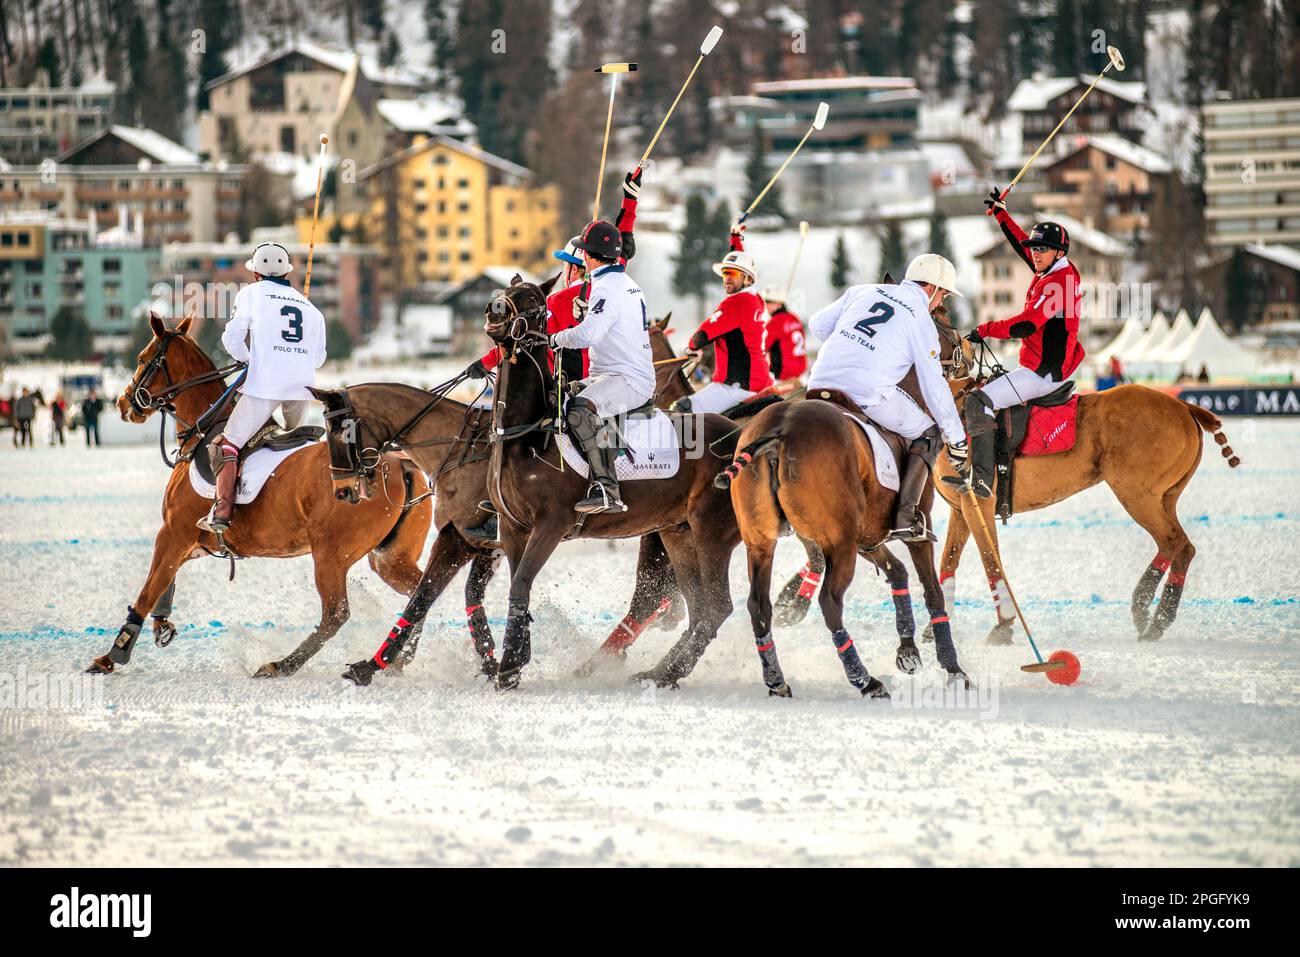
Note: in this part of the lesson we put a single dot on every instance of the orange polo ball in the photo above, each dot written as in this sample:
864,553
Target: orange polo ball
1067,675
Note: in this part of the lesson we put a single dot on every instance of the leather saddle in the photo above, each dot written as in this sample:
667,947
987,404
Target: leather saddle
1012,424
270,436
897,444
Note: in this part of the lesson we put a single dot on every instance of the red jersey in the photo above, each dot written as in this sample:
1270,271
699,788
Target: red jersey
559,318
1049,323
783,341
736,330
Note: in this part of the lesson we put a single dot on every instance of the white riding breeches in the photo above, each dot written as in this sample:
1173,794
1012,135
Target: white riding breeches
251,413
1018,386
898,412
719,396
612,394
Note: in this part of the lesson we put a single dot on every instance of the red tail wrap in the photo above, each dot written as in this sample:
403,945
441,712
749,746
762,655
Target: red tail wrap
811,580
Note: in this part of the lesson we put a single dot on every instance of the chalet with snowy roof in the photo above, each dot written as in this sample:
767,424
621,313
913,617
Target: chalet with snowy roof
1104,181
176,196
282,102
1099,257
1269,272
1115,107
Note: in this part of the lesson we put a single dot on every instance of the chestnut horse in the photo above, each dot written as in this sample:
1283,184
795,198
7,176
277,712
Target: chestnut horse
1146,446
296,512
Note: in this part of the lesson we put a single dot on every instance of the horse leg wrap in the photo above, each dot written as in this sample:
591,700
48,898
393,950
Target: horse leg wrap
1146,590
392,646
948,585
903,617
854,669
1002,601
1167,610
944,649
124,644
517,648
480,632
772,674
629,629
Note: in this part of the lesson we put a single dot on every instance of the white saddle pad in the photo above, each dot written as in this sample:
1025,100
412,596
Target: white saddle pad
886,467
257,468
653,450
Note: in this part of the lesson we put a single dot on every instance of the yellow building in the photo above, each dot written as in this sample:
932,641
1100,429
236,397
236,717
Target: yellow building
443,211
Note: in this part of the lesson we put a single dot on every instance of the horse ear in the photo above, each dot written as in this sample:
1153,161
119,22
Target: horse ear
550,284
157,325
184,326
662,324
516,279
889,280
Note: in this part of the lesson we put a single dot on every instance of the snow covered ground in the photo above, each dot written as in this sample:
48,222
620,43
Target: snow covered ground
1180,753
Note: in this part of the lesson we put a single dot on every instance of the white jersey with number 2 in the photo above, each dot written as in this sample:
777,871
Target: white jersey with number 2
871,336
281,336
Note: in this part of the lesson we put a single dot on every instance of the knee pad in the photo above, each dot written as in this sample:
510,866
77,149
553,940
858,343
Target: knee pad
978,413
220,452
681,405
927,445
582,420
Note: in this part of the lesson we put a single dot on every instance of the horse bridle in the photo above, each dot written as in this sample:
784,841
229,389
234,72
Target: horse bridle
956,366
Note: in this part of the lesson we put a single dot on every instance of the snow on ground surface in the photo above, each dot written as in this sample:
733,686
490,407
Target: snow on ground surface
1179,753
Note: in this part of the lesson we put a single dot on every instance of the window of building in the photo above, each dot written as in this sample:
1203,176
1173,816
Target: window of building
463,232
34,290
462,207
6,239
288,139
34,266
462,184
113,312
443,232
465,257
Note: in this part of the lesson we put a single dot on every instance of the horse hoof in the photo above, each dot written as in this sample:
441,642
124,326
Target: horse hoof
360,673
488,666
659,678
164,632
1001,634
959,679
268,670
1150,634
908,662
102,665
508,680
781,692
928,634
875,689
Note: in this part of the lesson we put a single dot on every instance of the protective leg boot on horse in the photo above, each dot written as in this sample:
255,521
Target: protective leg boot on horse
981,421
911,523
488,530
224,458
588,433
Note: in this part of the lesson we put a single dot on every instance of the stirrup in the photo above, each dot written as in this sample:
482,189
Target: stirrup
599,499
216,524
918,531
489,530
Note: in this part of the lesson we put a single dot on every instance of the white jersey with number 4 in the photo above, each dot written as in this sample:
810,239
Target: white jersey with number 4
616,331
872,335
281,336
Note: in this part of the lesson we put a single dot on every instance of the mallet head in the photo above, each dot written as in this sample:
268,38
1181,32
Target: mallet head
615,68
1116,58
324,139
803,228
823,109
710,41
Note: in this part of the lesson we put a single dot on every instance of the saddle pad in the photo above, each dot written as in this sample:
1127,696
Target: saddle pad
652,452
257,468
886,466
1050,429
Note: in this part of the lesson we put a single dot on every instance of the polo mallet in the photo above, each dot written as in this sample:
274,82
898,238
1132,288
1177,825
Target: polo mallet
706,47
798,251
823,109
1116,61
1059,660
613,69
315,211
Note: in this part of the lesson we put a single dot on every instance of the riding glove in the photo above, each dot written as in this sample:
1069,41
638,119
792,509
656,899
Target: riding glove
475,370
959,457
974,337
995,202
632,184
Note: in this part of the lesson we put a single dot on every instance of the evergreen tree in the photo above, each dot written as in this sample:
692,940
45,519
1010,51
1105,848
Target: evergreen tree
217,20
372,15
692,266
893,250
1239,292
756,176
47,59
939,240
167,80
338,342
71,339
438,33
841,268
392,50
261,202
209,339
1065,37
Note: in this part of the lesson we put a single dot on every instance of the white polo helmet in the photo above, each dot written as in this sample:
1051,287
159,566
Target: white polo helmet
270,259
934,269
740,260
774,294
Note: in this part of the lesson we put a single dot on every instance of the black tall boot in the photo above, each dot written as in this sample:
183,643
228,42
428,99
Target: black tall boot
585,429
981,462
911,524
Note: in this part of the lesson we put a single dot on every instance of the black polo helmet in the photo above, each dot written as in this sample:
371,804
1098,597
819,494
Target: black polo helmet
602,240
1052,235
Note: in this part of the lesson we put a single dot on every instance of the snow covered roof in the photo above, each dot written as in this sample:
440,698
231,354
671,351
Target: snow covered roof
1287,256
1080,235
339,60
769,87
474,152
1036,94
1123,150
424,115
153,144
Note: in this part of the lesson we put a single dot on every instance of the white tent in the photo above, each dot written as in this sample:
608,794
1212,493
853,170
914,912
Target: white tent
1155,334
1123,343
1209,347
1180,333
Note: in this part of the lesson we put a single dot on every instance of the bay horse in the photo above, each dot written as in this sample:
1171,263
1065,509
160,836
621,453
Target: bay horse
535,500
295,514
449,441
1146,446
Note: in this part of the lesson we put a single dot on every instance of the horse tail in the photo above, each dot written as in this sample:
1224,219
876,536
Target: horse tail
410,472
745,456
1210,422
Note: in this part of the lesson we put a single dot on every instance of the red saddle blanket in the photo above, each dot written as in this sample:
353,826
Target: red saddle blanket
1051,429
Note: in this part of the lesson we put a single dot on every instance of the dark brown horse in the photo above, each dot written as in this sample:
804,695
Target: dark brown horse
296,512
535,500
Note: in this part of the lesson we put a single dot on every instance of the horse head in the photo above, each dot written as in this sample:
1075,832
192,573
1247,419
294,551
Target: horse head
515,317
671,383
352,465
142,395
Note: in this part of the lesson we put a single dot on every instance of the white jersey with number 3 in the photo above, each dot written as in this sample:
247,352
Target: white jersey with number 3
281,336
871,336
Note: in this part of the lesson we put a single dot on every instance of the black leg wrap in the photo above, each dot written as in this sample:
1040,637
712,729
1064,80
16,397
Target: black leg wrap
1166,611
124,644
516,650
772,674
1143,593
